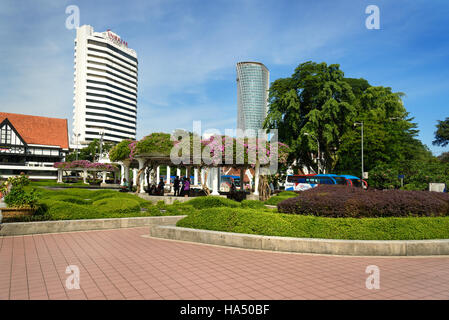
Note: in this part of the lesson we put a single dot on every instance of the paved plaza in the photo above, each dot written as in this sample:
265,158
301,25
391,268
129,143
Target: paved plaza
125,264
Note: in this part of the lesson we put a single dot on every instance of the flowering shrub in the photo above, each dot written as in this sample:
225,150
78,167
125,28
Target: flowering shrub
342,201
85,164
123,150
216,147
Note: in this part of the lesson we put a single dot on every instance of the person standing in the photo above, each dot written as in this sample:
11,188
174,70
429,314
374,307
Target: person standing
176,186
187,187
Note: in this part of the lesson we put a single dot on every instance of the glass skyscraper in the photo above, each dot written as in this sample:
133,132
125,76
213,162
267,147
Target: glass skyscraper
253,80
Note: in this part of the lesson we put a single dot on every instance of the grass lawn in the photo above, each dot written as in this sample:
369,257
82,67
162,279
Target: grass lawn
75,203
53,183
221,214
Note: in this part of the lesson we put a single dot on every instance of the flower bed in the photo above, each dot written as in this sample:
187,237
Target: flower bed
342,201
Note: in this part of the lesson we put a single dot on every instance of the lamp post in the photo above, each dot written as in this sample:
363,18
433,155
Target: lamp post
101,145
318,145
361,124
77,146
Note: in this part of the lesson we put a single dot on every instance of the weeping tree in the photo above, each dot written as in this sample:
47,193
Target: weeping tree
313,106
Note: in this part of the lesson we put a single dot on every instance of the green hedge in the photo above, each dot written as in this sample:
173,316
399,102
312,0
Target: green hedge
275,224
116,205
211,202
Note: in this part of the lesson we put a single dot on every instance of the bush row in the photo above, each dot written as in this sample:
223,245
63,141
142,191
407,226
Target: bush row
341,201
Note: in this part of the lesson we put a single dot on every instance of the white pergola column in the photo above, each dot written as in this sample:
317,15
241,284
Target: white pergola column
122,173
202,176
256,178
214,175
157,175
104,176
195,176
178,172
127,174
142,176
84,176
135,177
59,175
167,182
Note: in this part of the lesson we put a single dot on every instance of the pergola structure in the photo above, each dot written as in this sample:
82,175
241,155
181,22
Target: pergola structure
146,157
85,167
207,175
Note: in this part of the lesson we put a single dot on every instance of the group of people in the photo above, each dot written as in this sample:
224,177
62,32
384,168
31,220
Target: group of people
181,187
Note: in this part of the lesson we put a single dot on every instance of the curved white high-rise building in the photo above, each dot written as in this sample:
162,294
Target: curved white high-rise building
253,80
105,101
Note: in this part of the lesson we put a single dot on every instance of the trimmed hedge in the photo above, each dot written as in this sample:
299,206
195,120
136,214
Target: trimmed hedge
116,205
343,201
252,204
286,225
212,201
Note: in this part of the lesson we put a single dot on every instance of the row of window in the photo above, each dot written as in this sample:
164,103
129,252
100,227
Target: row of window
107,135
110,98
112,129
113,111
110,47
109,122
134,71
114,87
113,74
111,79
113,68
112,104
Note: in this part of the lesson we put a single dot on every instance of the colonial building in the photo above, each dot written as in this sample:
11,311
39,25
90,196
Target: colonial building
31,145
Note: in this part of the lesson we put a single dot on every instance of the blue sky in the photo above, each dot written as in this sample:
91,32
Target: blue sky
187,53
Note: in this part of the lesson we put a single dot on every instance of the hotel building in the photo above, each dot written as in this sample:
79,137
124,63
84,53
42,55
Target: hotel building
253,80
105,95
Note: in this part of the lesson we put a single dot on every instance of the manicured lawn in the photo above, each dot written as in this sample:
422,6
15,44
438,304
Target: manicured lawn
252,221
74,203
221,214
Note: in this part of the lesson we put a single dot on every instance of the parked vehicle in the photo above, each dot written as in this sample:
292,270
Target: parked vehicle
226,182
305,182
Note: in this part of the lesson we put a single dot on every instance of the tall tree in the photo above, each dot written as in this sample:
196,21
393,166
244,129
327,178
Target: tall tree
90,152
389,133
442,133
315,100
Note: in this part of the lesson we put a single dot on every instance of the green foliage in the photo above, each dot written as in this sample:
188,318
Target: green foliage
442,133
316,100
120,151
274,224
252,204
90,152
212,201
116,205
159,143
18,197
417,174
274,200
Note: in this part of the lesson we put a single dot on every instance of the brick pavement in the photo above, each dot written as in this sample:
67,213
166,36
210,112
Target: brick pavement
121,264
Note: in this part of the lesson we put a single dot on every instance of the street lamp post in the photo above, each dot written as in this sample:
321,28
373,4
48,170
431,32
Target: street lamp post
318,145
361,125
77,137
